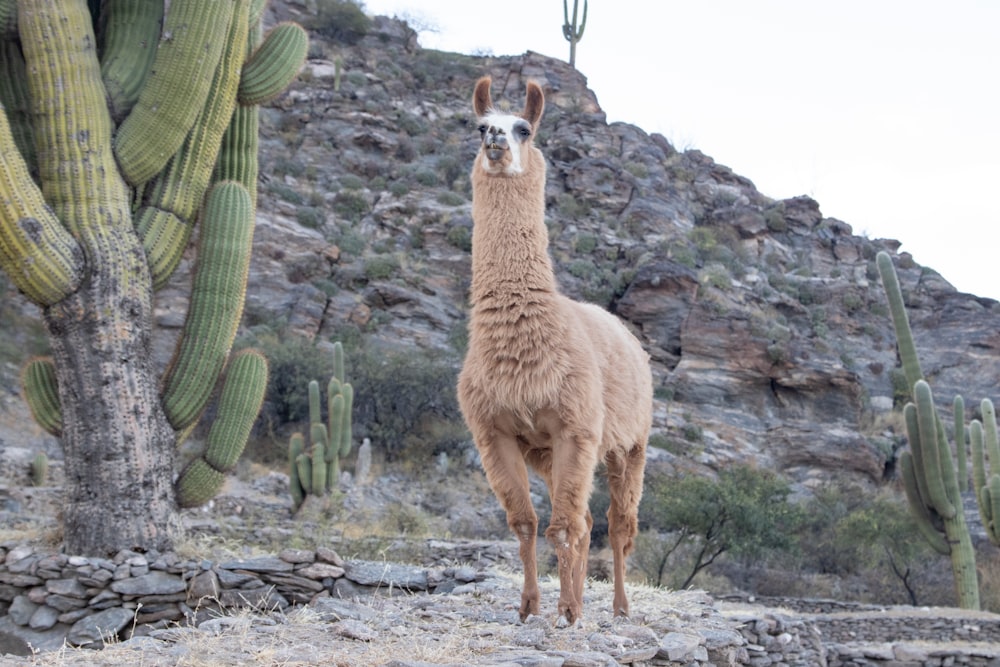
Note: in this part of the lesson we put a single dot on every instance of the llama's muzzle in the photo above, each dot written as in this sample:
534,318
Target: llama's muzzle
495,144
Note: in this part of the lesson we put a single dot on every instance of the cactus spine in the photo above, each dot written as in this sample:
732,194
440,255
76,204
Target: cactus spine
136,133
929,475
317,471
572,31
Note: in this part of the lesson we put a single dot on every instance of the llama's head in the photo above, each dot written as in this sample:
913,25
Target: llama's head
506,138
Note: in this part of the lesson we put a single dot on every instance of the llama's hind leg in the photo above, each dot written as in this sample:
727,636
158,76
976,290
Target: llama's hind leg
508,477
625,473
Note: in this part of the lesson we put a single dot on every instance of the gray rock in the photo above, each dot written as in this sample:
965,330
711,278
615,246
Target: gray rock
264,564
373,573
98,627
154,583
44,618
21,609
336,609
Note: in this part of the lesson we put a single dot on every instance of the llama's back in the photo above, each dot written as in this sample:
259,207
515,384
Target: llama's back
625,373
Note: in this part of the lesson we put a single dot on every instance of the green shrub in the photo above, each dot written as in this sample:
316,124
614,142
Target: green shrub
449,198
350,205
351,182
342,21
381,267
309,216
745,513
585,244
460,236
406,403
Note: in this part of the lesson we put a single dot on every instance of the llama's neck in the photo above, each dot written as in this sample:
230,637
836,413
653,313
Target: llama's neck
510,245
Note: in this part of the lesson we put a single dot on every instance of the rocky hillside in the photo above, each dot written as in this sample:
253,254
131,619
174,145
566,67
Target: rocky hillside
767,326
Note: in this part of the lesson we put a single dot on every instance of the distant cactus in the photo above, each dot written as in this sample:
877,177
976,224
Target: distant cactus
317,471
929,475
986,468
572,31
40,469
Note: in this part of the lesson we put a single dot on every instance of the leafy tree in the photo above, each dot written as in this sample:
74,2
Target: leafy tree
119,131
744,512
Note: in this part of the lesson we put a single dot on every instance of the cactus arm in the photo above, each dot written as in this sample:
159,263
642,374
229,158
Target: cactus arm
319,472
296,447
991,503
923,518
39,469
274,64
130,31
932,459
978,462
338,361
960,444
991,440
303,463
314,402
8,18
900,322
239,404
43,260
173,198
335,423
41,391
346,425
195,480
216,303
15,99
186,58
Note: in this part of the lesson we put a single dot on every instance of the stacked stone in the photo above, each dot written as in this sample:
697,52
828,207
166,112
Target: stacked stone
773,639
899,627
916,655
51,598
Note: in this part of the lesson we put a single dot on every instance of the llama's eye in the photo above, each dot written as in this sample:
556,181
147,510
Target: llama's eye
482,129
524,132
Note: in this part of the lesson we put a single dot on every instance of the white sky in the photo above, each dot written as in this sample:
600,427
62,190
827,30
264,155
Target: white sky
887,112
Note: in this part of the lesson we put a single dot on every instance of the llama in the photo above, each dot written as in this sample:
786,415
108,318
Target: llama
547,382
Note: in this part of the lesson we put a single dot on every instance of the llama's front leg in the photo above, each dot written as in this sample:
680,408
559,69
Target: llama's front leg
508,477
625,473
569,531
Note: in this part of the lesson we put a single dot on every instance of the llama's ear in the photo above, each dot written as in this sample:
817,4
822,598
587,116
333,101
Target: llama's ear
481,102
534,104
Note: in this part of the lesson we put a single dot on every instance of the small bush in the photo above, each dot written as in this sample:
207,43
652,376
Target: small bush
406,403
450,199
309,216
350,205
342,21
381,267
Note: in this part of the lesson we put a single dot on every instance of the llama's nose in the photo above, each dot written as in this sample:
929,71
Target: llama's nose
496,139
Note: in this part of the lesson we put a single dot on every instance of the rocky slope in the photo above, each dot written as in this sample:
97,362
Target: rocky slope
765,321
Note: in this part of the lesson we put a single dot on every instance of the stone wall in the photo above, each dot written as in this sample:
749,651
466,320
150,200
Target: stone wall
49,599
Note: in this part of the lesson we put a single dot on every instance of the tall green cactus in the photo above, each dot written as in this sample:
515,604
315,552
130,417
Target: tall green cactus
929,475
120,130
572,31
317,471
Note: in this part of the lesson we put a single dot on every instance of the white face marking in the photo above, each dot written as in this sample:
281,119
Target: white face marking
507,132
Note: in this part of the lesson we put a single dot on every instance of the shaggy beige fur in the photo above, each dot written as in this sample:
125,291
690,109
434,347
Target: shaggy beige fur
547,381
